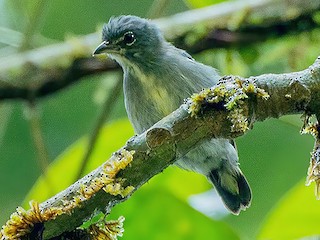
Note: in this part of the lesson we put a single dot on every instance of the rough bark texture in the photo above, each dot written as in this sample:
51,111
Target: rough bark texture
177,133
41,72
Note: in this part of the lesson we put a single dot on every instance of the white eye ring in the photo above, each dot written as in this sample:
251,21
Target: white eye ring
129,38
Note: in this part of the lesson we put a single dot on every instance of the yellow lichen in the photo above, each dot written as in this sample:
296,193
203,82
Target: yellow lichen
313,174
76,201
21,222
238,120
118,161
309,127
106,180
197,99
231,92
262,94
116,188
107,230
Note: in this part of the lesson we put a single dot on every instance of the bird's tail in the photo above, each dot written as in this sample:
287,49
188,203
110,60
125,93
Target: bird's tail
232,187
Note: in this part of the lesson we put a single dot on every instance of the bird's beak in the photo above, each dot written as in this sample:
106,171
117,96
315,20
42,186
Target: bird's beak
103,47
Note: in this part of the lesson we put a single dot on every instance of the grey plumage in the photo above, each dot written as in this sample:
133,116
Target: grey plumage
157,78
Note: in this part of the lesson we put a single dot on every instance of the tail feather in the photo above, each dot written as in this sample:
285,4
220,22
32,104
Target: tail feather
233,188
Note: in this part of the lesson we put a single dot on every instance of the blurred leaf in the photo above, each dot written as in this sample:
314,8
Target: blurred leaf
234,64
313,237
225,61
154,213
181,183
286,54
297,215
63,170
14,14
95,218
249,55
294,120
5,113
10,37
202,3
274,156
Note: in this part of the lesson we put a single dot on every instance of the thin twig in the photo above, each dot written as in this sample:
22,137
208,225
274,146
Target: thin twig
5,112
39,8
39,142
37,136
105,113
34,118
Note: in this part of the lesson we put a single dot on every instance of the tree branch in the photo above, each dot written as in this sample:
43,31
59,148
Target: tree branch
238,23
44,71
208,114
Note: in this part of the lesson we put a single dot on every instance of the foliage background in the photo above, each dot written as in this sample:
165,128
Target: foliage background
274,156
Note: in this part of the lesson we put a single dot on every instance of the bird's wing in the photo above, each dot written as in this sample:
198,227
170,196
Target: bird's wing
185,54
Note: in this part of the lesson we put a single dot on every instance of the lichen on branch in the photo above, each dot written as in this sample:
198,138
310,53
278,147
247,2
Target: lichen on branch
229,94
22,222
107,230
203,116
313,174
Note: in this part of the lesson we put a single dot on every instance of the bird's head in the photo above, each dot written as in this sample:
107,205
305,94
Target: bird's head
130,38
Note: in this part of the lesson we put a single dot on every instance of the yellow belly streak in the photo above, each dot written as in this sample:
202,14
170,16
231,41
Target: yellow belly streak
156,93
162,99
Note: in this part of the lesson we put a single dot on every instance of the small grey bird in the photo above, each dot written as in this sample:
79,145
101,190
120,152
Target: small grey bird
157,78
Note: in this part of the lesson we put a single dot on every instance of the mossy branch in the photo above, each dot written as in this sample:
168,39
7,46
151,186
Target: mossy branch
226,110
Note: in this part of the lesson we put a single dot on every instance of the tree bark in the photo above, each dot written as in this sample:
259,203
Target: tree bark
176,134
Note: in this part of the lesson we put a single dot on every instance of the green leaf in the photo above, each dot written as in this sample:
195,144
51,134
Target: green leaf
273,157
95,218
202,3
181,183
295,216
294,120
62,172
155,213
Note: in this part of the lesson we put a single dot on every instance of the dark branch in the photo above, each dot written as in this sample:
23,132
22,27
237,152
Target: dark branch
246,35
54,79
44,71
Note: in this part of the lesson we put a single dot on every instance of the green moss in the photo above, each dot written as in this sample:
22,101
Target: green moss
231,92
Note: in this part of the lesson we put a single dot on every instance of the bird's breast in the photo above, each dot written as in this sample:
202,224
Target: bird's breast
147,98
157,94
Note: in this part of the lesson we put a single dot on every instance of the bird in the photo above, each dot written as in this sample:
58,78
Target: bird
157,78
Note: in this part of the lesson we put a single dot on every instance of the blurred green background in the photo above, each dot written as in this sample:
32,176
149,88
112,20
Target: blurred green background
274,156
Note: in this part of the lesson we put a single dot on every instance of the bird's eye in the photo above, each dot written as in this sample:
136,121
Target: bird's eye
129,38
